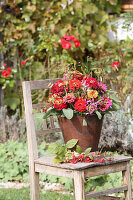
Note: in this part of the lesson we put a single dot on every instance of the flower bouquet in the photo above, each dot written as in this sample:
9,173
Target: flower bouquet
80,94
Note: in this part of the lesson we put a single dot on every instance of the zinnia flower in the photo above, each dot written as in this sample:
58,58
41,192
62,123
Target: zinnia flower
102,87
74,84
69,98
105,104
80,105
59,104
92,93
89,81
58,88
77,75
5,73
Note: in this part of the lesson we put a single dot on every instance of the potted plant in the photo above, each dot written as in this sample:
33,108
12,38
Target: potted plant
80,102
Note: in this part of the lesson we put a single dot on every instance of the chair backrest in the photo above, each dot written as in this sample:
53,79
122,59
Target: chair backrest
28,87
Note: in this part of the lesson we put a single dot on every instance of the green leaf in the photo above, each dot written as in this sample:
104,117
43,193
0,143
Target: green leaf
84,122
68,113
115,106
115,98
78,149
53,148
50,111
58,160
12,100
87,151
71,143
99,115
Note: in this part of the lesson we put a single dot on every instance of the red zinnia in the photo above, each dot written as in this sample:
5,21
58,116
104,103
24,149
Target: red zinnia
5,73
74,84
65,44
23,62
80,105
59,104
58,88
90,82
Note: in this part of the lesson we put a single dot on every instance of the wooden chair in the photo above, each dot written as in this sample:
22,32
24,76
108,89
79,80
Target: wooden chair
78,172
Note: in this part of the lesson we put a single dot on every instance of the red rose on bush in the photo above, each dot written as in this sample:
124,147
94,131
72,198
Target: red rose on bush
23,62
59,104
65,44
74,84
9,69
77,43
80,105
68,37
58,88
5,73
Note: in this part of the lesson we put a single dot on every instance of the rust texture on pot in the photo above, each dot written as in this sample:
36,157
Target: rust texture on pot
88,135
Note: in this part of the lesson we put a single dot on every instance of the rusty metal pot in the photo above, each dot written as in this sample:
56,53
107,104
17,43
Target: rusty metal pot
88,135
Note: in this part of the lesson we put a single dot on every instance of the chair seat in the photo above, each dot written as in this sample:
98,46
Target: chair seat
48,161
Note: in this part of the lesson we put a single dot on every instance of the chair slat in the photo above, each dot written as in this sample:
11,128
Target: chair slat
39,105
52,122
42,84
108,191
45,132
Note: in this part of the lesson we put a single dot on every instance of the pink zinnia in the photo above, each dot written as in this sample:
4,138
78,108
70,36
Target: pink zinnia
102,87
69,98
105,104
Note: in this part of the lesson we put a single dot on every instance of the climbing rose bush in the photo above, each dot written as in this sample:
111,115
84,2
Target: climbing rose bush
80,94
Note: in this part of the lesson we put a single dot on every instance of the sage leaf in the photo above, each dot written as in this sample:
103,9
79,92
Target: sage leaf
68,113
84,122
78,149
99,115
87,151
71,143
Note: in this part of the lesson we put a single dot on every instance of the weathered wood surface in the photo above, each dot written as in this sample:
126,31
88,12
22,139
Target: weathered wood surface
127,181
47,131
53,170
48,160
79,189
42,84
32,142
110,198
105,192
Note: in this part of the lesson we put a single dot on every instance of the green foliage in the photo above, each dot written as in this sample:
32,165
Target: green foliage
60,150
68,113
14,166
13,161
12,100
15,194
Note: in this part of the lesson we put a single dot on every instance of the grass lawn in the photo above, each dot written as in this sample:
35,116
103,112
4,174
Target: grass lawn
24,194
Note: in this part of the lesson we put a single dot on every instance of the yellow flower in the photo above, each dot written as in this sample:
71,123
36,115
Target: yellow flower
92,93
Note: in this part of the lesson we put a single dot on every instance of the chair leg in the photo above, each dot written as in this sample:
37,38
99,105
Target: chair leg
127,181
79,191
34,186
